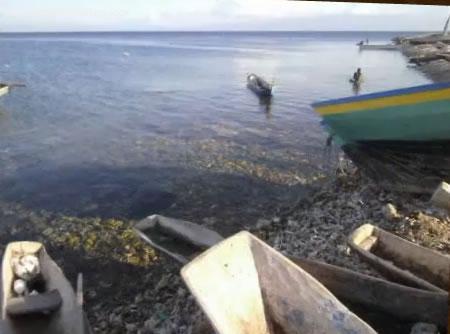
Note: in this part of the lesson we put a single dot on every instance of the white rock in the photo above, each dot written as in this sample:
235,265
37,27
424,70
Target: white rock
20,287
441,197
390,212
26,267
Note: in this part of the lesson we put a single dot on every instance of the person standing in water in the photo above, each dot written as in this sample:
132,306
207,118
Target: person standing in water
357,76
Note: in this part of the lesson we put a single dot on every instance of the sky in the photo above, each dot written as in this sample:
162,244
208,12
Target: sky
120,15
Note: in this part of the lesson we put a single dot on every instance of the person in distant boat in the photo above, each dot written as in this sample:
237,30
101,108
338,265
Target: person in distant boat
357,76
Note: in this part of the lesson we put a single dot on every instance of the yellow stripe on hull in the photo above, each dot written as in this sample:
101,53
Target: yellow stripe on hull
383,102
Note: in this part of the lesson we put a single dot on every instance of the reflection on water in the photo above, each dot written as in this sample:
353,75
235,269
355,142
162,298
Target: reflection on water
356,87
266,103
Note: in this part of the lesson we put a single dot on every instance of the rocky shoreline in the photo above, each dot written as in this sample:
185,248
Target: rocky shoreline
429,53
129,288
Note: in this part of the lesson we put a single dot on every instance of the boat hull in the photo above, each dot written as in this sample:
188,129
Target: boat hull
4,89
411,126
259,86
388,47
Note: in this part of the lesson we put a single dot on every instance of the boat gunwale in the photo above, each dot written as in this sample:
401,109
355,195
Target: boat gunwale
383,94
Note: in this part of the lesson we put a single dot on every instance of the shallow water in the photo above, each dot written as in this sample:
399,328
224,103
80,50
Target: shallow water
127,124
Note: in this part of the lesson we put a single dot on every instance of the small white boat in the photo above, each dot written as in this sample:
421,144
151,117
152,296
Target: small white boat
389,47
52,308
4,89
244,286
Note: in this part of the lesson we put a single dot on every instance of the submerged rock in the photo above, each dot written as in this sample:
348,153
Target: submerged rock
20,287
424,328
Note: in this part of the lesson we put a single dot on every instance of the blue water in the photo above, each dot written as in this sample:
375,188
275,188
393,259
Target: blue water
123,117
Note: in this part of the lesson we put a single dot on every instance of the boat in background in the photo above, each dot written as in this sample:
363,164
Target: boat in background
54,307
258,85
4,89
388,47
399,137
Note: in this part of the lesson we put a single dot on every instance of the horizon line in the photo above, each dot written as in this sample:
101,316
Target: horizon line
194,31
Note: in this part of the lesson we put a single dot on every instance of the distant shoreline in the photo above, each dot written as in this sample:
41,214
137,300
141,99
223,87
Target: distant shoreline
412,32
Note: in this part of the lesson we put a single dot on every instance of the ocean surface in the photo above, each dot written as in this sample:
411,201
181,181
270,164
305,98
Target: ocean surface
130,124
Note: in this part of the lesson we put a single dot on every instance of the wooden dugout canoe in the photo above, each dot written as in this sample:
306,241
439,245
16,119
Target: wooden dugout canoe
244,286
183,240
401,260
57,309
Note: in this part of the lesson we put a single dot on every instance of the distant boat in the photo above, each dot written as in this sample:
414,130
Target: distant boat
4,89
391,47
54,307
258,85
400,137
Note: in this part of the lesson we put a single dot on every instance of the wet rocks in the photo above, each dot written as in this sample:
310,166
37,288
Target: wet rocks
130,288
424,328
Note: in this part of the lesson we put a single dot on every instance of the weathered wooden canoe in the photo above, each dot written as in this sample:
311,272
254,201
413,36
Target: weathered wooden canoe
55,310
245,286
399,137
180,239
183,240
401,260
258,85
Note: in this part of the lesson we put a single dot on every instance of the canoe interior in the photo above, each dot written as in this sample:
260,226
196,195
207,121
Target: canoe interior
401,259
180,239
244,286
68,319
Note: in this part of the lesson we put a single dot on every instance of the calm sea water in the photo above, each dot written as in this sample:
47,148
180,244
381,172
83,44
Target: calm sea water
126,124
